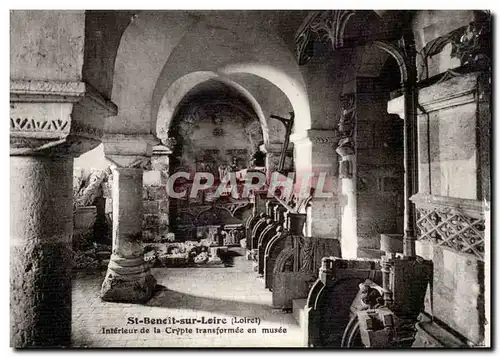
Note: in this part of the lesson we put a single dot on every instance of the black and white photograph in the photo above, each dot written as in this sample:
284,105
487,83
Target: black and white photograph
273,178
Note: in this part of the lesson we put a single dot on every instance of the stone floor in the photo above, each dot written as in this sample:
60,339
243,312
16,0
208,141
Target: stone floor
211,292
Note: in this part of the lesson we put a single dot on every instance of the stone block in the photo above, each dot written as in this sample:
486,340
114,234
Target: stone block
160,163
163,219
369,253
150,221
164,233
152,178
119,288
453,151
148,235
163,206
458,296
150,207
106,190
157,193
299,310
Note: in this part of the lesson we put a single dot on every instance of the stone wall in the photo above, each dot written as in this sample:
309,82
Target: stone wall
379,166
453,171
155,225
450,204
458,297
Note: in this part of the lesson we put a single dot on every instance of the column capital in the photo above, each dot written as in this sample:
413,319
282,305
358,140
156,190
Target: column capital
56,118
127,171
316,136
275,148
161,150
129,150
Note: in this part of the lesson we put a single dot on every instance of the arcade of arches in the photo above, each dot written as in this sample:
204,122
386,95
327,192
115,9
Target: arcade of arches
387,114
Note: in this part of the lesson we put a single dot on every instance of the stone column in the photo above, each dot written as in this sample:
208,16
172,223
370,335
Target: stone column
315,157
128,278
41,225
49,126
347,176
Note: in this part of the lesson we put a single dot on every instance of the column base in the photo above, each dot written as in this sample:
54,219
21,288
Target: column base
128,280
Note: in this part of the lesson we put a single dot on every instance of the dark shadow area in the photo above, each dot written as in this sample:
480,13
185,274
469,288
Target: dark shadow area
170,299
228,256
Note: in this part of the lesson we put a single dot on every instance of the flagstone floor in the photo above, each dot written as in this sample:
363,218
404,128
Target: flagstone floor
228,293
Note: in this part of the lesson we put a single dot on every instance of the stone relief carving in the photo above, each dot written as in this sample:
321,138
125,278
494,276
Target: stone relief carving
141,163
86,130
453,229
346,125
456,223
32,124
474,46
471,44
232,207
54,125
306,255
85,196
304,46
326,25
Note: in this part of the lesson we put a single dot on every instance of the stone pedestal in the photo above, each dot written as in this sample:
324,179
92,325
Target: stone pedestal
214,257
128,279
41,225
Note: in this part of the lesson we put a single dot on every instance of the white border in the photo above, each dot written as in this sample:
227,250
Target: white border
189,4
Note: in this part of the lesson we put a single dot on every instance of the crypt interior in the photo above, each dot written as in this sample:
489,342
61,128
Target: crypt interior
393,107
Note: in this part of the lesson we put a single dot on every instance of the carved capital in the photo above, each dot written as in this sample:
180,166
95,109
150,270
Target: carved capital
129,150
316,136
275,148
130,162
56,118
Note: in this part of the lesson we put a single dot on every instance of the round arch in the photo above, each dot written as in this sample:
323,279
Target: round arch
180,88
292,88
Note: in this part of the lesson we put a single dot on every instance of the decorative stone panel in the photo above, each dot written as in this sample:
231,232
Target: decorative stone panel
458,224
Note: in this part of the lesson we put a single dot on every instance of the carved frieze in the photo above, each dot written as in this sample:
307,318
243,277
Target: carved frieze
56,117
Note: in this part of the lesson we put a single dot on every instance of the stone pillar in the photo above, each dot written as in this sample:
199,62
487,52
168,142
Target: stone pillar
316,159
41,225
51,122
347,177
128,278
